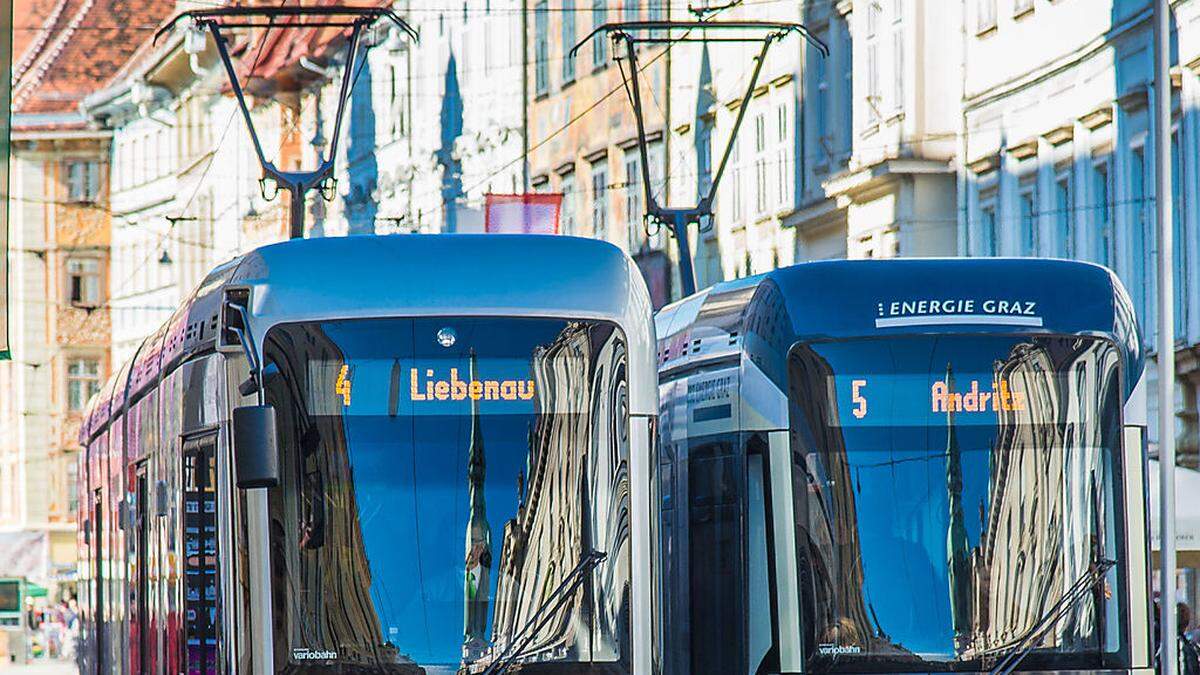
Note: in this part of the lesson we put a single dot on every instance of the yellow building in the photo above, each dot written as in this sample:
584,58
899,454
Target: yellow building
582,135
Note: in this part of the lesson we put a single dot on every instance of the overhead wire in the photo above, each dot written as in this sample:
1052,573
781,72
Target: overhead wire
553,134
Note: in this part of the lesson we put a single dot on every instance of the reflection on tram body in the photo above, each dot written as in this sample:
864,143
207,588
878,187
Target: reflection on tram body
982,516
441,526
847,490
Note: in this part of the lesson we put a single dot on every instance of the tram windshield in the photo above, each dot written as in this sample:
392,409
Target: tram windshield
444,481
949,489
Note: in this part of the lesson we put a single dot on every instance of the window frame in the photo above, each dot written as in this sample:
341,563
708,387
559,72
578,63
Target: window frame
989,223
88,382
762,198
1139,244
599,193
635,208
566,186
569,34
96,276
599,44
1179,229
873,98
821,106
897,57
783,155
736,196
1064,209
1029,237
1105,244
82,180
541,48
985,16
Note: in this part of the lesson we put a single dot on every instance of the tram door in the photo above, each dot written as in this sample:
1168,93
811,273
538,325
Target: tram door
98,581
141,580
200,585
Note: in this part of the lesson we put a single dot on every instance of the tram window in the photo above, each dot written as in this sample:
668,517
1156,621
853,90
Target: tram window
947,517
508,431
200,586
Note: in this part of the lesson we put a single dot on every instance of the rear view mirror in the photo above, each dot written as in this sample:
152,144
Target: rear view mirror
255,452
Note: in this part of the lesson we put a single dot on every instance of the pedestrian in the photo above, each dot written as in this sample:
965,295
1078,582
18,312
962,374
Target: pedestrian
52,629
70,628
1189,654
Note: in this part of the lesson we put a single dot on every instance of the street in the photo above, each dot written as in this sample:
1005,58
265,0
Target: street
40,668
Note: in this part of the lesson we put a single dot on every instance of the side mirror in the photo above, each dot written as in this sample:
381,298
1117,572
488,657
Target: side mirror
255,450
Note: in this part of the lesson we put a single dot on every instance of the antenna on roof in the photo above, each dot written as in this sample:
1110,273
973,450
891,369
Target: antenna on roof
297,183
633,33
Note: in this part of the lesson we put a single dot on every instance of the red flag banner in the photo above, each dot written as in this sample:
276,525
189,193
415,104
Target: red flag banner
530,213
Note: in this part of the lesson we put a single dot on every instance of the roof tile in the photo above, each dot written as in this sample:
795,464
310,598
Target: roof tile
77,48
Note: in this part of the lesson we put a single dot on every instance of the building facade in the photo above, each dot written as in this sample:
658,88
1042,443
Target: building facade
1058,159
59,313
185,179
582,139
431,126
759,187
880,130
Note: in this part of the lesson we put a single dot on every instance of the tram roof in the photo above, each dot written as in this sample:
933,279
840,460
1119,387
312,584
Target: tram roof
864,298
414,275
399,275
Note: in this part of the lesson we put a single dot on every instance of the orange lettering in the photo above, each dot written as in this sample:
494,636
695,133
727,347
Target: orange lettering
458,388
938,396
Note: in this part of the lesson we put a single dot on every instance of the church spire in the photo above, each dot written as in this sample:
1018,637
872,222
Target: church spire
477,582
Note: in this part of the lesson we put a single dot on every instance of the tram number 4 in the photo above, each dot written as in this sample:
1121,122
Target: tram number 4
341,386
860,401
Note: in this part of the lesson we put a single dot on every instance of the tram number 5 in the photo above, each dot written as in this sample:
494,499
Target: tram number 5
341,386
860,401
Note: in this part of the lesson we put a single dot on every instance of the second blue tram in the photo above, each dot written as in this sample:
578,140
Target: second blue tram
903,466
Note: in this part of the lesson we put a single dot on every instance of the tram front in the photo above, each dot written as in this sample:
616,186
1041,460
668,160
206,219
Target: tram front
455,466
955,485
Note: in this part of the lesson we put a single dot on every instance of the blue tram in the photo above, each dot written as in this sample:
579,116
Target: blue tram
904,466
406,454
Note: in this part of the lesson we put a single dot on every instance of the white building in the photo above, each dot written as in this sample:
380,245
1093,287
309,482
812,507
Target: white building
431,127
758,190
185,191
845,155
1056,117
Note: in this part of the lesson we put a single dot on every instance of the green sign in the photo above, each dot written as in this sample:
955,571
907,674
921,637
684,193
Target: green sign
10,595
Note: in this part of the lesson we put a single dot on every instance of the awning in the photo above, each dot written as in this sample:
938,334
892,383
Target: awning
33,590
1187,514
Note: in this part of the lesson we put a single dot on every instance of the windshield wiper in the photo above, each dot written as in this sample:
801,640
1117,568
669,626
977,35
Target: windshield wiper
1076,592
562,593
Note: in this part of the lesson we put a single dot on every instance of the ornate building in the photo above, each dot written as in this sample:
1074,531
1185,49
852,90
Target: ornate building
59,311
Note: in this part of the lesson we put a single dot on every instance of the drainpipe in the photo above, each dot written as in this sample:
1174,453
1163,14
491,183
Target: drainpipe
524,95
961,168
